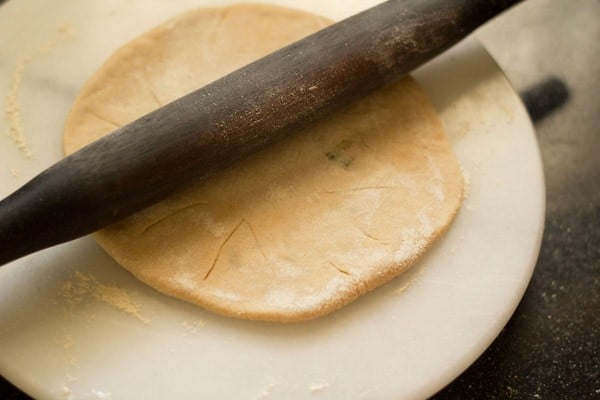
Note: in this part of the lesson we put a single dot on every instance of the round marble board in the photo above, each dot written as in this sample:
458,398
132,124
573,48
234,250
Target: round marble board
73,324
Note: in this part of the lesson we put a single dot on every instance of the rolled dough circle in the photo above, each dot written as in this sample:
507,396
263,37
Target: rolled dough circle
294,231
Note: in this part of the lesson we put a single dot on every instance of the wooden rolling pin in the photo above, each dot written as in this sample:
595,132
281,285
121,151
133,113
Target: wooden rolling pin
209,129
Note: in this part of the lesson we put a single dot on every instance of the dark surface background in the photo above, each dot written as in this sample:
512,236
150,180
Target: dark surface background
550,349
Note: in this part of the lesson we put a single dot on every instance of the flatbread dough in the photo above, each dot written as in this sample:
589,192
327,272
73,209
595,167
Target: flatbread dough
299,229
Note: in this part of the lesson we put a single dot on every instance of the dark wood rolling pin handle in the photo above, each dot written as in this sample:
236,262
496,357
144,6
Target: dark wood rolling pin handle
207,130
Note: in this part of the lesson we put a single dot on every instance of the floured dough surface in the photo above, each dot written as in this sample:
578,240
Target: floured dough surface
299,229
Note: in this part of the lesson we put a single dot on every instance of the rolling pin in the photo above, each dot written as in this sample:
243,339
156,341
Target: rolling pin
203,132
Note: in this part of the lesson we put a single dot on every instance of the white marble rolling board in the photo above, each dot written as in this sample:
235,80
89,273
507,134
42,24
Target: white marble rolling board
74,325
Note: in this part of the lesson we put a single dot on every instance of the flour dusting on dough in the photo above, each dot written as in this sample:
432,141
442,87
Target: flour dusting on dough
300,228
412,244
436,183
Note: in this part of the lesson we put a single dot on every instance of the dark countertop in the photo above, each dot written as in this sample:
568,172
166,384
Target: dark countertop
550,349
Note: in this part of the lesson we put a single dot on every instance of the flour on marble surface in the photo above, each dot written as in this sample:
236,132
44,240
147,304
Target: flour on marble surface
467,180
70,362
12,107
266,393
101,394
66,392
68,342
193,327
318,387
413,279
83,286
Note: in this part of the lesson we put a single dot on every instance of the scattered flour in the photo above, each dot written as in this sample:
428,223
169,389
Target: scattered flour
70,362
102,395
467,179
66,392
12,110
266,392
318,387
193,327
416,276
82,286
68,346
74,291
